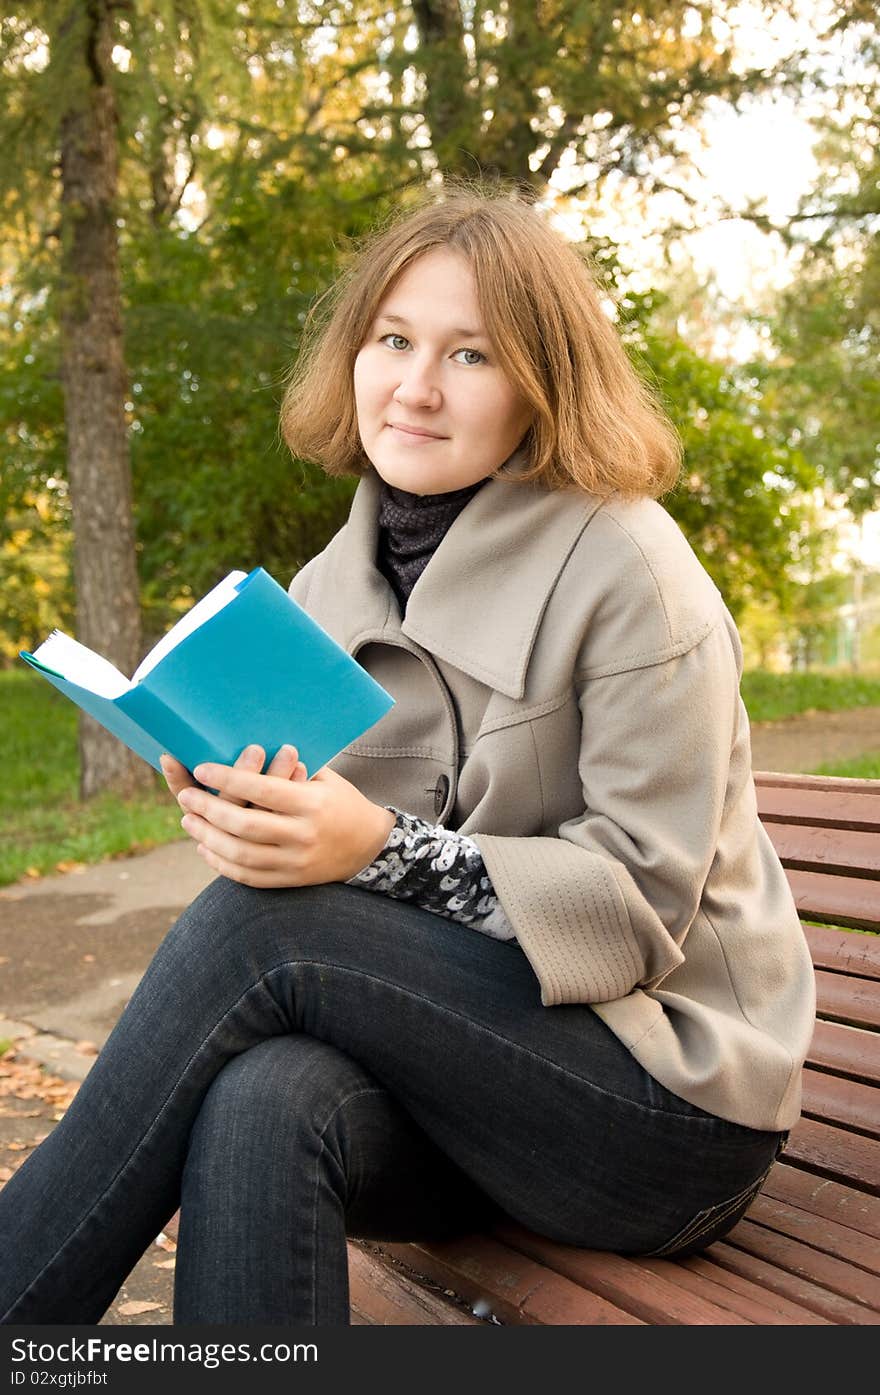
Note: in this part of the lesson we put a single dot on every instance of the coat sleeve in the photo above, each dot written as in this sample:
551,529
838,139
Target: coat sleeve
605,907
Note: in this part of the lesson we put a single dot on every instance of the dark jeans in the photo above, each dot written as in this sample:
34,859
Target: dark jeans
297,1065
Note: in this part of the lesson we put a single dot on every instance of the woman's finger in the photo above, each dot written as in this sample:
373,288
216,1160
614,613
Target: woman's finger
251,758
252,853
248,787
177,777
286,765
244,820
247,876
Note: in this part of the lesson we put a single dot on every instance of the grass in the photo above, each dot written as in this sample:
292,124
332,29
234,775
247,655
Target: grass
42,823
44,827
861,768
769,696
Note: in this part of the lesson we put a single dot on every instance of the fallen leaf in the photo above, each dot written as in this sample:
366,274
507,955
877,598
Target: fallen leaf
86,1048
16,1146
5,1174
164,1263
67,866
31,872
165,1244
88,958
132,1309
25,1080
4,958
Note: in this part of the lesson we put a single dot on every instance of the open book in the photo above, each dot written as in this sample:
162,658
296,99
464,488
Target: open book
244,665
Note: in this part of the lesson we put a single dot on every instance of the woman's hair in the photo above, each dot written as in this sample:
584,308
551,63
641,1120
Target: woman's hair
596,425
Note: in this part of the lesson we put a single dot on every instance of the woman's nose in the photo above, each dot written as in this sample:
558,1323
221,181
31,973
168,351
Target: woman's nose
417,386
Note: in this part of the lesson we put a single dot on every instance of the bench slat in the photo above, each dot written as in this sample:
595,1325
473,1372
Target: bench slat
819,807
850,1281
745,1291
832,1152
845,953
846,1050
517,1290
847,999
828,1236
381,1296
848,1207
852,901
847,1103
828,784
847,853
841,1311
656,1299
752,1306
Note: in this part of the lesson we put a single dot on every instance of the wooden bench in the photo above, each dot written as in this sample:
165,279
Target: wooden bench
808,1251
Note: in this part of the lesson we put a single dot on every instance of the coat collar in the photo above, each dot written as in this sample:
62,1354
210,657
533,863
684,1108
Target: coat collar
479,602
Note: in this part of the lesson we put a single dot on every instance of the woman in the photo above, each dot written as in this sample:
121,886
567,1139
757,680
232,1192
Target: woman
525,948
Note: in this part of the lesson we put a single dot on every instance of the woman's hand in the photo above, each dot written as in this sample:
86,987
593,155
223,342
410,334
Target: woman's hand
279,828
285,765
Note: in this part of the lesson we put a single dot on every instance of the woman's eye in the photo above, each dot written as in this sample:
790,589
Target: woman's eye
399,342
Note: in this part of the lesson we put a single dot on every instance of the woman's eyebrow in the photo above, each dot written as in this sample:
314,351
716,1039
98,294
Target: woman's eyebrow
457,333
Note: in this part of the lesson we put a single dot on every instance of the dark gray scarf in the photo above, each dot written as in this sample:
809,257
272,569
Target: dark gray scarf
411,527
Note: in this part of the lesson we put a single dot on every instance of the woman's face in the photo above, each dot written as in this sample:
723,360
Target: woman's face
435,412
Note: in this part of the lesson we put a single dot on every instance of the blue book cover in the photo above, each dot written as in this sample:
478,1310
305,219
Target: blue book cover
245,666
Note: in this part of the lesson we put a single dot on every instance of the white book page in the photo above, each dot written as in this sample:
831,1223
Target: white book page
209,605
81,665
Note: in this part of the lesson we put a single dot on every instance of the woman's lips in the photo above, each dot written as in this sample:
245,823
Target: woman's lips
416,432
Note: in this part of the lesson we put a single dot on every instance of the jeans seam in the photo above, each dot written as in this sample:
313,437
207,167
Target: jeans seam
708,1218
702,1119
353,1095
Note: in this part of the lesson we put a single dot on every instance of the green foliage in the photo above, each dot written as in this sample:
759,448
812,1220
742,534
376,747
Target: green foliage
212,325
512,88
255,142
823,388
215,295
742,499
42,823
823,384
768,696
862,768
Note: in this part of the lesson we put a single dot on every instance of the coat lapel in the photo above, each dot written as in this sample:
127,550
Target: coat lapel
478,604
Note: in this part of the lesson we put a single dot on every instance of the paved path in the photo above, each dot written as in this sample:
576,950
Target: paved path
812,739
72,949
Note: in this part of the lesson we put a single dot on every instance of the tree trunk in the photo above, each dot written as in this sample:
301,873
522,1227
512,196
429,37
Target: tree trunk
452,114
94,382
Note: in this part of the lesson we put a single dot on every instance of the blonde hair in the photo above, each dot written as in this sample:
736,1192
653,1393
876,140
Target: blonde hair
596,424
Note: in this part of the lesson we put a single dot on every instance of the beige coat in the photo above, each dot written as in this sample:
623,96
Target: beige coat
567,685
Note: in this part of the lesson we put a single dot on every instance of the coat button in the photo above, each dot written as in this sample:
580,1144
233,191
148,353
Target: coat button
441,791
